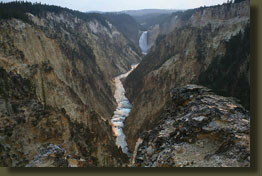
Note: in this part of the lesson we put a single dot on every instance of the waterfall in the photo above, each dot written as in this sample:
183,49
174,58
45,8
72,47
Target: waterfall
143,42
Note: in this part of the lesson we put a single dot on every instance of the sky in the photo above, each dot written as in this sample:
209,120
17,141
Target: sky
118,5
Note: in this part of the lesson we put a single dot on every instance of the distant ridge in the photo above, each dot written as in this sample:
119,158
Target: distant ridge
141,12
148,11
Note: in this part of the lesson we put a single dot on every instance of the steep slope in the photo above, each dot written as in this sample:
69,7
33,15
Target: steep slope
127,26
199,17
27,126
70,58
207,51
151,19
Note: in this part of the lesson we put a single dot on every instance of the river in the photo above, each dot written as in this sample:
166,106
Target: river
122,111
123,105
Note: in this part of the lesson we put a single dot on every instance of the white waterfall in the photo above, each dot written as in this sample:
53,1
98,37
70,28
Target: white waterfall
143,42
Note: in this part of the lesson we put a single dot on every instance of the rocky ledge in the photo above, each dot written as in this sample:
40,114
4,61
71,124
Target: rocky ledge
55,156
196,129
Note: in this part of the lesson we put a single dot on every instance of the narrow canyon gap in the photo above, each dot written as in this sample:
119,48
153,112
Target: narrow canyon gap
123,105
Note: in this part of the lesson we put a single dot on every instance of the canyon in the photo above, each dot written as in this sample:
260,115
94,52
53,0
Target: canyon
69,62
107,90
204,50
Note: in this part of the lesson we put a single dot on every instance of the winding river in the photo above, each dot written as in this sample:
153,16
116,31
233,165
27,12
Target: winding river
123,105
122,111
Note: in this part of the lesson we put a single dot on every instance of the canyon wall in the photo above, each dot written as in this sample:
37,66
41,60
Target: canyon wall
69,62
210,47
128,26
200,17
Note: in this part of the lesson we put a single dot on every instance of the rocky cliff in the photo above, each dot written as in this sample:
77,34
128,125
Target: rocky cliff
210,48
69,60
196,129
199,17
128,26
29,127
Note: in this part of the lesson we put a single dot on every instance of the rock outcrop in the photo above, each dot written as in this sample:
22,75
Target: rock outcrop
54,156
196,129
214,53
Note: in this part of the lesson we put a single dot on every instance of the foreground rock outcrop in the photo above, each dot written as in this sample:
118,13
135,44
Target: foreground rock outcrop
196,129
54,156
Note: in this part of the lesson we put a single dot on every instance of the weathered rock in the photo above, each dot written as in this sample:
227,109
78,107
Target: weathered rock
55,156
150,150
27,127
184,140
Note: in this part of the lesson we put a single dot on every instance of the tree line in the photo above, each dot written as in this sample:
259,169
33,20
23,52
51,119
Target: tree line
18,10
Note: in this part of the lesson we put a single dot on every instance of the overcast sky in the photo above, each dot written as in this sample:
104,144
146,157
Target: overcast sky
118,5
